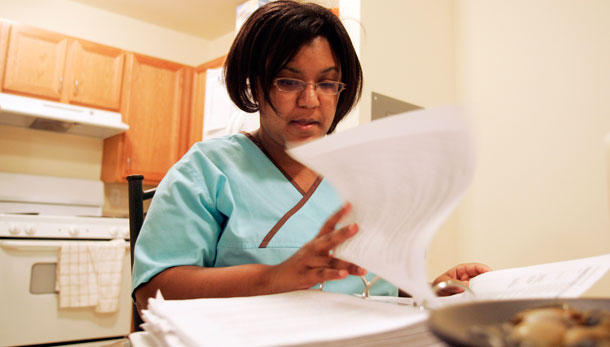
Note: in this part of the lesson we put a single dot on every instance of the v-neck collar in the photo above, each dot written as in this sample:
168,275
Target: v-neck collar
303,192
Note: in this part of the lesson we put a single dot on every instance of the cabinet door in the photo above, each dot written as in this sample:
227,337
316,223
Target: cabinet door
35,62
4,28
157,95
94,75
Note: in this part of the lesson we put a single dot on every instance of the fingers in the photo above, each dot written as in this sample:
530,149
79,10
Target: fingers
463,273
331,223
331,262
467,271
481,268
323,244
325,274
322,265
450,290
314,263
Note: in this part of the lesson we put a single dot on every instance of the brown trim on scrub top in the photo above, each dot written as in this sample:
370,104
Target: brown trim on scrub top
306,194
290,213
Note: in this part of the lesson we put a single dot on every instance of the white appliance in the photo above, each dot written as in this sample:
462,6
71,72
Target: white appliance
41,114
37,214
222,117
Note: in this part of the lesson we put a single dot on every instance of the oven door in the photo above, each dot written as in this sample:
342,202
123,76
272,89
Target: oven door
30,313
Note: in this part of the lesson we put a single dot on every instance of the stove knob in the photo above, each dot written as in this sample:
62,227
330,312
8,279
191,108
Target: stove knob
13,229
29,229
73,231
114,232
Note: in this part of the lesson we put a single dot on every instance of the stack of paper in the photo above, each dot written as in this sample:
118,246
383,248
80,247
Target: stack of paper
403,175
300,317
317,317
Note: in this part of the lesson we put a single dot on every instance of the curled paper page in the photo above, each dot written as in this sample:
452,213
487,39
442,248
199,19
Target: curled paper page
563,279
403,176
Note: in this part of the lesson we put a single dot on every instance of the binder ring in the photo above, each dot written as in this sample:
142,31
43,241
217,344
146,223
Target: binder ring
367,285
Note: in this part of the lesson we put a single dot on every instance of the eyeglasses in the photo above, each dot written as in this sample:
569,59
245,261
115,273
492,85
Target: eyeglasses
292,85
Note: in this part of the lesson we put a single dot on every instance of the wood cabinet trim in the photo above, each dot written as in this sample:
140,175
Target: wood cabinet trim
114,155
164,64
186,112
4,32
214,63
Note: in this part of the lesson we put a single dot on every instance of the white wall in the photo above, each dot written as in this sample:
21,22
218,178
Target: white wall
38,152
219,47
406,50
349,13
537,77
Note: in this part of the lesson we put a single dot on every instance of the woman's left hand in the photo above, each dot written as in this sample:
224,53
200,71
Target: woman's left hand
463,273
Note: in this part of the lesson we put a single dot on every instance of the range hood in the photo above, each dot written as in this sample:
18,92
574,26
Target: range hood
41,114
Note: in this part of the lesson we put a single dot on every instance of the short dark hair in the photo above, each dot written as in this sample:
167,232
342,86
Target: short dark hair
271,37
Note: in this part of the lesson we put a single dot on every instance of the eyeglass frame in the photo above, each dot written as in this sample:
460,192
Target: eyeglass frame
304,85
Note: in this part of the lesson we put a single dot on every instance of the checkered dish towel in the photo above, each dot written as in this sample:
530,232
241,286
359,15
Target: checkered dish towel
89,274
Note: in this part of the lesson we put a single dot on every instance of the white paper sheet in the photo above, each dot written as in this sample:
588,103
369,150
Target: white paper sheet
565,279
299,317
403,175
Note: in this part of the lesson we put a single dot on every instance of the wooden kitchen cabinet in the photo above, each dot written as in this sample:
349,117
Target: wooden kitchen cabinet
156,105
94,75
4,26
45,64
35,62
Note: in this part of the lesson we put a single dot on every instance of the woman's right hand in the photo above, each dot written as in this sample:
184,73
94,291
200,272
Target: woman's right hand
310,265
314,263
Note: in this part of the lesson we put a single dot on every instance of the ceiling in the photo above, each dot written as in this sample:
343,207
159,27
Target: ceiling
207,19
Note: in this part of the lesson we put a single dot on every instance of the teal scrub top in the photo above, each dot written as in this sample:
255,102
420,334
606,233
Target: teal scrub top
226,203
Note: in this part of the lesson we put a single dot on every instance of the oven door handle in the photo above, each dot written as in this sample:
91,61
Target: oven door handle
18,245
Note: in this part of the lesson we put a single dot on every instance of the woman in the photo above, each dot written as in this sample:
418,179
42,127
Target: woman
237,216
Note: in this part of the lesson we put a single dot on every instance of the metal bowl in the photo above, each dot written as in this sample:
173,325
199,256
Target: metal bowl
453,324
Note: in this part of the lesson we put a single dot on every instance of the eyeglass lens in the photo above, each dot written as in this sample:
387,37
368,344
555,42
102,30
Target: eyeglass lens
294,85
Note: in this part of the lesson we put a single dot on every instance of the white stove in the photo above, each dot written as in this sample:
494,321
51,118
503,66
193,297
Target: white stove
55,208
38,215
62,227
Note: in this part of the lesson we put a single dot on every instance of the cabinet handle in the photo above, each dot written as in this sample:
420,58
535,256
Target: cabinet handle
75,87
60,84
